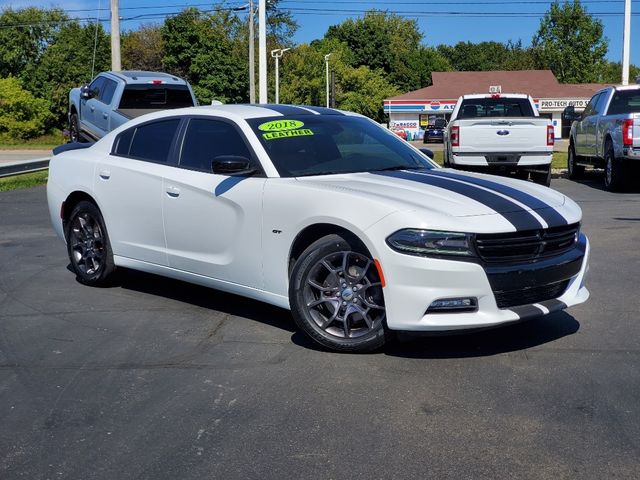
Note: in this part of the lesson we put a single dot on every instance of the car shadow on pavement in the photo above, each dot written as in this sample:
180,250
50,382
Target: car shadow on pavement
205,297
595,180
482,343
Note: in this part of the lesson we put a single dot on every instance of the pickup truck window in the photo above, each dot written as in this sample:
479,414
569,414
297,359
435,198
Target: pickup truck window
141,96
108,90
599,106
625,101
591,106
97,86
495,107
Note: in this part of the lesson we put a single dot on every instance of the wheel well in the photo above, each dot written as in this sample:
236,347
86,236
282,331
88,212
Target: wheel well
315,232
71,202
73,109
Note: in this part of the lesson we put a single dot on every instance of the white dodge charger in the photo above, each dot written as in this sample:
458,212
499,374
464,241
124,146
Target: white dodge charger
319,211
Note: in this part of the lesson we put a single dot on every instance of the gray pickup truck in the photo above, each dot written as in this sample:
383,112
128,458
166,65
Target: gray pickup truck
113,98
607,135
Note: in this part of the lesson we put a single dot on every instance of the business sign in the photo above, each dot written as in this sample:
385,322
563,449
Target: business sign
562,103
405,124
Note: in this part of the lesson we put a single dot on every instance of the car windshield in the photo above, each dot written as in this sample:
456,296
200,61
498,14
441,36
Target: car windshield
333,144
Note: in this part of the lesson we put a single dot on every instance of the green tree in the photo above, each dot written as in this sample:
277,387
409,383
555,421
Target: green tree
143,49
570,42
22,116
612,73
203,48
24,37
385,41
67,63
359,89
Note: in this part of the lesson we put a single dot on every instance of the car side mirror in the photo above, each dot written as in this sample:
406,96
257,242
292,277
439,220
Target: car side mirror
427,152
232,165
86,93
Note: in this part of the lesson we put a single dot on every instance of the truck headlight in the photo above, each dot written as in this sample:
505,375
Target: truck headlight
431,242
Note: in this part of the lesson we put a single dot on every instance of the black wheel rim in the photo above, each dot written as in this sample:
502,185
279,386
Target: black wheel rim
343,295
74,130
86,241
608,170
570,162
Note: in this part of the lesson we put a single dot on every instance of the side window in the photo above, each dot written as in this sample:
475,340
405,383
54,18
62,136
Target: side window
108,90
152,141
96,86
207,139
123,142
590,109
599,107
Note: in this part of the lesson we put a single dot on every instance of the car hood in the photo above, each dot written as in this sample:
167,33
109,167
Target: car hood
452,193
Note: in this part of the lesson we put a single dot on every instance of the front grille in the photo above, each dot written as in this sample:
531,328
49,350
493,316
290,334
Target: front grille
526,246
513,298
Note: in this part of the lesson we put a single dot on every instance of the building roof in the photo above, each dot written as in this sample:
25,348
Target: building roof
537,83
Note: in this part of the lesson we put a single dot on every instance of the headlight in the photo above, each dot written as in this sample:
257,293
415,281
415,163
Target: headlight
431,242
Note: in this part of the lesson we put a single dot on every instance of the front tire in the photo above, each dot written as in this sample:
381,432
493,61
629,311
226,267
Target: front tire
88,246
74,128
613,174
336,296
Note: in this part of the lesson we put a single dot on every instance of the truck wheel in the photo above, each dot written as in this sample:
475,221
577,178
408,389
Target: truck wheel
74,128
542,177
574,171
613,174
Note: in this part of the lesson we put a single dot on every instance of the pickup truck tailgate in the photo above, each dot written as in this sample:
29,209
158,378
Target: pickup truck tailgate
503,135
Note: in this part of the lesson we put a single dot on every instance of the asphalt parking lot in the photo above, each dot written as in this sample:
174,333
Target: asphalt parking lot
158,379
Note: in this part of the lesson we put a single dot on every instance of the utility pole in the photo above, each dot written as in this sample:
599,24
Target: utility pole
326,64
252,64
277,54
262,50
115,36
626,42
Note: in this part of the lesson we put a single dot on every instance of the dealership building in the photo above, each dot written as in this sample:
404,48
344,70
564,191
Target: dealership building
413,111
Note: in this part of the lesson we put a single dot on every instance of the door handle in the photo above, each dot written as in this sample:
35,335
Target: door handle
105,174
173,192
105,116
92,108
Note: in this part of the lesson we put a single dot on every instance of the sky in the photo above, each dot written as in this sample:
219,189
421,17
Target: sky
440,21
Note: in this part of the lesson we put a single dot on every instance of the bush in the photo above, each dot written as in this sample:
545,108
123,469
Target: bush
22,116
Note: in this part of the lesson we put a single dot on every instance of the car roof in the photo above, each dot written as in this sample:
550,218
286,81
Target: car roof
248,111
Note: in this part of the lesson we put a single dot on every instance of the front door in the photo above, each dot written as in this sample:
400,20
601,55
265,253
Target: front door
213,222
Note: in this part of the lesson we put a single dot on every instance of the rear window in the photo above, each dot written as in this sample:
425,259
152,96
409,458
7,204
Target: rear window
495,107
625,101
155,97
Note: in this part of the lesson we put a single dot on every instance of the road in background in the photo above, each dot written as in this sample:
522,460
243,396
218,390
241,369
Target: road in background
159,379
10,156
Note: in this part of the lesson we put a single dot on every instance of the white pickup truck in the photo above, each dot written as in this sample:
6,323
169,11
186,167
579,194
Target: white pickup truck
500,133
607,135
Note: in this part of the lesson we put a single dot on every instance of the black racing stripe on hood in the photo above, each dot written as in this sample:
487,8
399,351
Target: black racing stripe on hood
287,109
324,110
512,212
546,211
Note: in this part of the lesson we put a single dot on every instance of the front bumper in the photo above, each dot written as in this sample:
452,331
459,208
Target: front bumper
413,283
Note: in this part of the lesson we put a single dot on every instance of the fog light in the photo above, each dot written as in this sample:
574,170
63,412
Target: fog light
453,305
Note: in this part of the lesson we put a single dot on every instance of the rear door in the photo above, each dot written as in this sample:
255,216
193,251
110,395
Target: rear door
213,222
129,188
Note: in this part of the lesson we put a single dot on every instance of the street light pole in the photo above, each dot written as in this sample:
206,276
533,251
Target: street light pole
262,50
326,63
626,42
252,64
277,54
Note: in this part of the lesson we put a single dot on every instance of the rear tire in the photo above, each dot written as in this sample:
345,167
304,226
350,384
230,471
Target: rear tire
88,246
613,171
336,296
542,178
574,171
